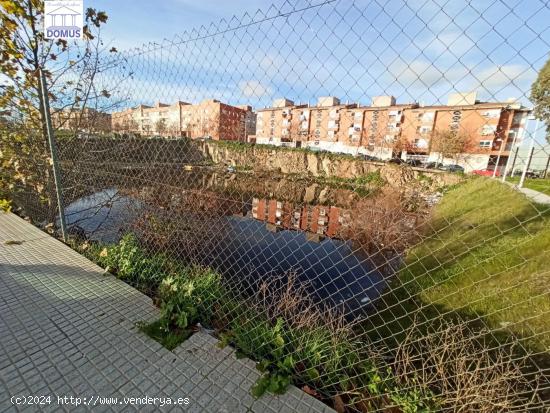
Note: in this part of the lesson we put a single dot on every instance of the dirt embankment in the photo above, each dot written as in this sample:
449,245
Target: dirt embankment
292,161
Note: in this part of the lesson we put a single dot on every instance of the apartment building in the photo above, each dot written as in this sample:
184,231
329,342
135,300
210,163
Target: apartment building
207,119
333,126
81,120
386,129
281,124
483,132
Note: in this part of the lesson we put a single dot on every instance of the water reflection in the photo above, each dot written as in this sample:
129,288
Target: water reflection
244,231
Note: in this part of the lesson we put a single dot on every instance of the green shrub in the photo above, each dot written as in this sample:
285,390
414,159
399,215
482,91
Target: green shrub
128,261
190,297
256,337
5,205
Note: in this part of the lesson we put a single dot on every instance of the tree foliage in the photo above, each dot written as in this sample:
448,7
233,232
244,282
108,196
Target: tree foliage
70,69
451,144
540,96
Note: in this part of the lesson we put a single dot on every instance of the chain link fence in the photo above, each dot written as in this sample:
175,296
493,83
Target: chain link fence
321,185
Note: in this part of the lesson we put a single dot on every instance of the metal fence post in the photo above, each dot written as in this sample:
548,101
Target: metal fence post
526,168
53,153
530,154
511,169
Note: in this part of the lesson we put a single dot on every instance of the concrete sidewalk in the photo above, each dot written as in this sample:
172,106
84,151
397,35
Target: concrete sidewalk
68,330
535,196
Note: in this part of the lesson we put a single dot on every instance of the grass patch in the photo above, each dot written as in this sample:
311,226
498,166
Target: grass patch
485,254
540,185
168,338
363,185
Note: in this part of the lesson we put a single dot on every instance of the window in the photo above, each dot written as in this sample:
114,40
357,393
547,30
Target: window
488,129
425,129
485,144
428,116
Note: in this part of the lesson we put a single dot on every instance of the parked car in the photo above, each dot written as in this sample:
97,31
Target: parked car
371,158
413,162
433,165
528,174
485,172
452,168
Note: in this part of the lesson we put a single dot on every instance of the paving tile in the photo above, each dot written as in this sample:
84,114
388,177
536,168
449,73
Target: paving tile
68,330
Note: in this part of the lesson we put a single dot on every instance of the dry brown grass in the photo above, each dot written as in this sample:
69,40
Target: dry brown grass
285,296
467,374
387,222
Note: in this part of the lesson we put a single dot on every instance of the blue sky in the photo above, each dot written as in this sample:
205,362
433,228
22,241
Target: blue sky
418,50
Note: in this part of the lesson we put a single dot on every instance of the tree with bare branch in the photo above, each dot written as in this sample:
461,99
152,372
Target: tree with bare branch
70,70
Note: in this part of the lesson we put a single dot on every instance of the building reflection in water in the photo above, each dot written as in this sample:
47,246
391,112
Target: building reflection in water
317,221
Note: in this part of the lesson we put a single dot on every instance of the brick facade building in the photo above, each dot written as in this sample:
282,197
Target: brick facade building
386,129
207,119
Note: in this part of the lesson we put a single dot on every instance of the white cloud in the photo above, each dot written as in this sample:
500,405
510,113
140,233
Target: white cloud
448,44
422,73
254,88
497,77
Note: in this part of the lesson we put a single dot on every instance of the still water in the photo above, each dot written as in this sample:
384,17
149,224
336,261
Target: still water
244,246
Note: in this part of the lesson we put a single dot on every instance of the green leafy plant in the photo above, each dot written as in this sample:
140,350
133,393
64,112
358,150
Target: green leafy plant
189,297
5,205
257,337
414,400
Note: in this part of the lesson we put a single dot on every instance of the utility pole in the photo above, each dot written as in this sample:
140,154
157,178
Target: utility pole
53,153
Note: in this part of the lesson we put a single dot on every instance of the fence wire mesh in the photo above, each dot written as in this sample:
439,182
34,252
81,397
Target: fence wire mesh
331,187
